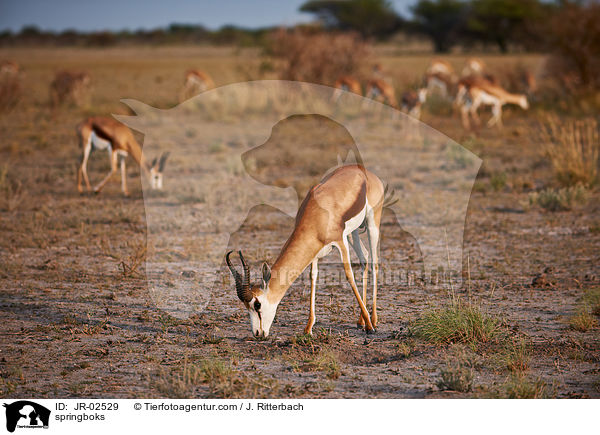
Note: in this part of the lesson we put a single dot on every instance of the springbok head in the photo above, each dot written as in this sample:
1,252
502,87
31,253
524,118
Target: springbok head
254,296
156,171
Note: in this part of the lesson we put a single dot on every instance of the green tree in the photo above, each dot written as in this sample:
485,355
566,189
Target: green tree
370,18
501,21
441,20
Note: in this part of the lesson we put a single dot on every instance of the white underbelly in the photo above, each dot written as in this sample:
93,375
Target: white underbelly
100,144
353,223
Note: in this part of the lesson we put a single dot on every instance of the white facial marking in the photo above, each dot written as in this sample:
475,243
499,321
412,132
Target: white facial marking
261,320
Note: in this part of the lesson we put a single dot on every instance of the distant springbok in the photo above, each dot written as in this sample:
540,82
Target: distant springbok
103,133
348,84
69,85
8,68
196,81
474,92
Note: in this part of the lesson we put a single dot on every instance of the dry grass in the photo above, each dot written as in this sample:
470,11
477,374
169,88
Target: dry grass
456,377
520,387
11,191
573,147
516,356
591,299
222,380
583,320
10,92
318,57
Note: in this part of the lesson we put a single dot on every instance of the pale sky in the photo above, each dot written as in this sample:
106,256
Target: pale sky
58,15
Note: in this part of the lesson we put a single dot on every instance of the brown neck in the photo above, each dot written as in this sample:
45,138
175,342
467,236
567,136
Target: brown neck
297,253
135,150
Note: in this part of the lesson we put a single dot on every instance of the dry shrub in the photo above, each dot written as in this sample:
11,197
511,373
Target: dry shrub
574,149
564,199
12,193
10,91
318,57
70,87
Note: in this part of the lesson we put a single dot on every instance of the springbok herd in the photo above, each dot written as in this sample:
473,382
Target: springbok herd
350,199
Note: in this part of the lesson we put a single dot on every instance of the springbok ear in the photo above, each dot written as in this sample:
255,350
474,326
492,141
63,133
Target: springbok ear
153,164
266,275
162,161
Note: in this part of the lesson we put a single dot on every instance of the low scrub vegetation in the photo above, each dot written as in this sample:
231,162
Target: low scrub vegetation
520,387
564,199
456,376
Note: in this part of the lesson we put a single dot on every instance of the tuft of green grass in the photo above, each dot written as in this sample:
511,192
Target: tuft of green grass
516,355
591,299
498,181
563,199
457,323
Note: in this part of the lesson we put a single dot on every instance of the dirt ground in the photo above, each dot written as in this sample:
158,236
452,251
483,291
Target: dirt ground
78,319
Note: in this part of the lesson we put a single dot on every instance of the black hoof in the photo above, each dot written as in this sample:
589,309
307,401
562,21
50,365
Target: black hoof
371,331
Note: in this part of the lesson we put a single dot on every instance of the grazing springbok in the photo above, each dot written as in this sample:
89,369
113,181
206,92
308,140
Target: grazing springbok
196,81
69,85
412,101
103,133
440,66
348,84
348,200
474,92
382,91
473,66
8,68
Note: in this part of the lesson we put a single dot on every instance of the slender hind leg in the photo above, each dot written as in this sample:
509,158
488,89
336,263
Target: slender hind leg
363,257
123,176
373,220
314,270
113,169
82,172
345,254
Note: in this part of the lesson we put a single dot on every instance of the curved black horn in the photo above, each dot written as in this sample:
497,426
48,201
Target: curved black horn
242,285
246,282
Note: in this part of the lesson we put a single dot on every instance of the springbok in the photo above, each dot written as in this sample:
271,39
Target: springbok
473,92
382,91
196,81
440,66
69,84
8,68
103,133
333,212
348,84
473,66
412,102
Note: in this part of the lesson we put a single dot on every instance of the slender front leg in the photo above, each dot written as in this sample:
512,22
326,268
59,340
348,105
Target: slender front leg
124,177
314,270
113,169
345,254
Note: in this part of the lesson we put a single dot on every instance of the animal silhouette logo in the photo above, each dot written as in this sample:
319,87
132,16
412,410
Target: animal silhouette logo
263,144
26,414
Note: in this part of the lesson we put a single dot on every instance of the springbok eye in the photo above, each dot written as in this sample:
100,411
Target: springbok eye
256,306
